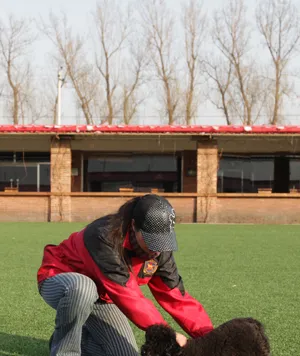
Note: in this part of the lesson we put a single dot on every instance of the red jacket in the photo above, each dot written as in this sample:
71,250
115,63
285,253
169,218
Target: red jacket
90,253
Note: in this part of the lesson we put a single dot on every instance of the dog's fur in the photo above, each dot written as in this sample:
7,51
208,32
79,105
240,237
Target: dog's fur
237,337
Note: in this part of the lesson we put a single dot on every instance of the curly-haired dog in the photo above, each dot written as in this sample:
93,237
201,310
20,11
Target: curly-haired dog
237,337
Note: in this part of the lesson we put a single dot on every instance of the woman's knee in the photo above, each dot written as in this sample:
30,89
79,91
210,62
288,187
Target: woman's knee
72,290
82,288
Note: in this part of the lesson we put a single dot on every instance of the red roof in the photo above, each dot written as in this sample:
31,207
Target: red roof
180,129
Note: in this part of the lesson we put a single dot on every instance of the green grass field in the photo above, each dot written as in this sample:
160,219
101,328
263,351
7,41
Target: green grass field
233,270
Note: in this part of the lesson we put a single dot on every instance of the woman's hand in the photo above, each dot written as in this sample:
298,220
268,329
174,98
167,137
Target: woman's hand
181,339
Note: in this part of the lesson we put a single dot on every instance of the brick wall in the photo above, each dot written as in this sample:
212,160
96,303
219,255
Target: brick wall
219,210
207,171
90,208
256,210
21,208
61,163
207,167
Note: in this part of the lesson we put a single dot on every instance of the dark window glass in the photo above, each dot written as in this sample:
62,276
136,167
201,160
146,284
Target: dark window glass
44,181
163,164
294,173
24,157
133,164
23,178
262,171
245,174
32,156
20,170
6,156
138,172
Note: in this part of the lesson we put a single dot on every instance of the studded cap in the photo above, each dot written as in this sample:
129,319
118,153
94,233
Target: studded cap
155,217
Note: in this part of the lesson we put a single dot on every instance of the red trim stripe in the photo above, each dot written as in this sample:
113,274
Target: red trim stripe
85,129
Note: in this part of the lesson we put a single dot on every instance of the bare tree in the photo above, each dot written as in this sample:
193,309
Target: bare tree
159,26
278,23
16,39
134,75
113,28
32,103
194,24
72,55
133,79
130,104
219,74
232,35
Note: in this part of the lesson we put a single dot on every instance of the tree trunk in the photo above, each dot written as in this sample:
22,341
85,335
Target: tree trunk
190,95
169,104
248,118
277,96
87,115
16,106
15,95
225,109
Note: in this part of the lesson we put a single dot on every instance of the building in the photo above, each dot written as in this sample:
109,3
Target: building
213,174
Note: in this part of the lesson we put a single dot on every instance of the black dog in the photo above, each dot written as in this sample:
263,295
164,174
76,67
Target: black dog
237,337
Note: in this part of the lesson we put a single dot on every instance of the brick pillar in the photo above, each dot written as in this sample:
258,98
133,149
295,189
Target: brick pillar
61,163
207,174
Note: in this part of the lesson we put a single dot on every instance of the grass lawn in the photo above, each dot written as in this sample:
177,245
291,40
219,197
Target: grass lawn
233,270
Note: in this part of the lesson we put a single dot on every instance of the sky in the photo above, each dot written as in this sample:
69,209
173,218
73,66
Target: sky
79,15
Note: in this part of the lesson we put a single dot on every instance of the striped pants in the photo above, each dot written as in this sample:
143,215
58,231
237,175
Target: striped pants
84,325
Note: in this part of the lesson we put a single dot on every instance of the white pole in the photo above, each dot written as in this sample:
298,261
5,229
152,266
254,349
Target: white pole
59,86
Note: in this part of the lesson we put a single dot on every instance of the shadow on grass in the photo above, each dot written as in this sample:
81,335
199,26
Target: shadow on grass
22,345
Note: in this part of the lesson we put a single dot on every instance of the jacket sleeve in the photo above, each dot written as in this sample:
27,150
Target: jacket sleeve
167,288
112,274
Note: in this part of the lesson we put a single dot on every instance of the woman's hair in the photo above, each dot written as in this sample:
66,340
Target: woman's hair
120,223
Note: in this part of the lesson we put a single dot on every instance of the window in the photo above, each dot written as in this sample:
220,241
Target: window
133,164
138,172
262,172
6,156
162,164
294,173
43,175
22,178
239,174
25,171
32,156
233,175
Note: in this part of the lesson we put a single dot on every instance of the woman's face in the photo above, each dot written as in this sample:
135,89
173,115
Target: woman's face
142,244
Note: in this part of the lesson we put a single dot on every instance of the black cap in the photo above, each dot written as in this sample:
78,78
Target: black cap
155,217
